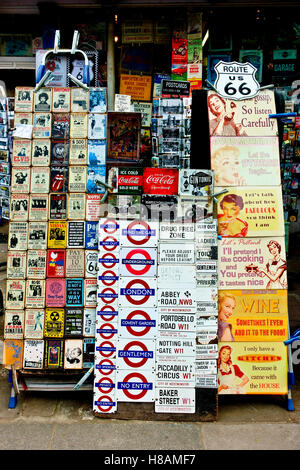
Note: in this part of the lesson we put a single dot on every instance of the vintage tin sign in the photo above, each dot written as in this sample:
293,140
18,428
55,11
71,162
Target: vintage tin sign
172,275
42,124
13,353
59,179
55,292
42,100
206,351
17,236
250,212
73,357
96,152
33,357
139,233
137,323
59,152
75,263
16,265
23,99
135,386
36,264
20,180
138,262
88,352
61,100
73,322
54,322
176,372
93,207
195,183
173,400
40,178
135,354
177,322
38,207
37,235
206,335
41,149
206,233
14,324
249,118
74,292
78,126
137,292
57,234
60,129
89,322
175,347
235,80
21,155
77,179
76,234
91,263
160,181
20,119
34,323
78,152
54,350
194,209
185,231
90,292
56,263
209,381
76,206
15,294
252,263
206,368
79,100
95,174
91,235
157,208
126,180
205,253
57,206
35,293
97,124
97,100
177,299
246,161
19,207
177,253
125,207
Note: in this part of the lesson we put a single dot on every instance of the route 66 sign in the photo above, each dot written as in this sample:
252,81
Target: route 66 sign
235,80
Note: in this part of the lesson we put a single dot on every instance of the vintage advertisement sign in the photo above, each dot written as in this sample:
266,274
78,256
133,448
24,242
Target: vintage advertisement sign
139,233
137,292
14,324
91,235
74,292
175,400
57,234
41,149
75,263
255,368
138,262
176,253
195,183
91,263
175,88
138,32
78,126
76,234
15,294
42,100
38,207
126,180
73,322
36,264
17,236
20,180
16,265
76,205
137,86
20,119
242,118
13,353
73,357
59,179
56,263
57,206
90,292
78,151
19,207
137,323
21,152
59,152
135,354
34,323
253,315
89,322
245,161
77,179
250,212
35,293
176,372
23,99
61,99
54,322
61,132
54,350
93,207
252,263
160,181
79,100
33,357
172,275
40,178
96,152
55,292
42,125
135,386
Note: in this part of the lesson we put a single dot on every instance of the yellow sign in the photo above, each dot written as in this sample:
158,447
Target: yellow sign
138,87
57,235
54,323
252,315
252,369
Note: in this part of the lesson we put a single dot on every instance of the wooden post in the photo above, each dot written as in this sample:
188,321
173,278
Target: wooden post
110,66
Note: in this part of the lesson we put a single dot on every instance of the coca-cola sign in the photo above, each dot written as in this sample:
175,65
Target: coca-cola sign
160,181
126,180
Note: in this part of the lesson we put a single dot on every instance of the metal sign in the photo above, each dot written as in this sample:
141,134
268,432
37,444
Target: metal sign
107,313
133,386
206,351
176,300
177,322
177,253
176,231
137,292
138,323
135,354
173,276
138,262
173,400
175,347
139,233
106,348
160,181
206,266
236,81
175,371
195,183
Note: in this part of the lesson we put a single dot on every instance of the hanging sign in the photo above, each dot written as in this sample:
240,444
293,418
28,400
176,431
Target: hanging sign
236,81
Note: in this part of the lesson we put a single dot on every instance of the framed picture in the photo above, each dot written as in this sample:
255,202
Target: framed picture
123,136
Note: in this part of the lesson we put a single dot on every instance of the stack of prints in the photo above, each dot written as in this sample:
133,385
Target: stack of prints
253,315
55,206
5,155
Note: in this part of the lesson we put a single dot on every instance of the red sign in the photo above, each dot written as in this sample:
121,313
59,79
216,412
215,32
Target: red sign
160,181
56,263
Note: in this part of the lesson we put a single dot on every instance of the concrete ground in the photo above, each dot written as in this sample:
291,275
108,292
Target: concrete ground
64,420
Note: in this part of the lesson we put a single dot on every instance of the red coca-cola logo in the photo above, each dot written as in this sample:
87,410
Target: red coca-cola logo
133,180
160,181
165,179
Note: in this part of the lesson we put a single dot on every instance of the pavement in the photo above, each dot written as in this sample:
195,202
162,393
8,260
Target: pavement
65,421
